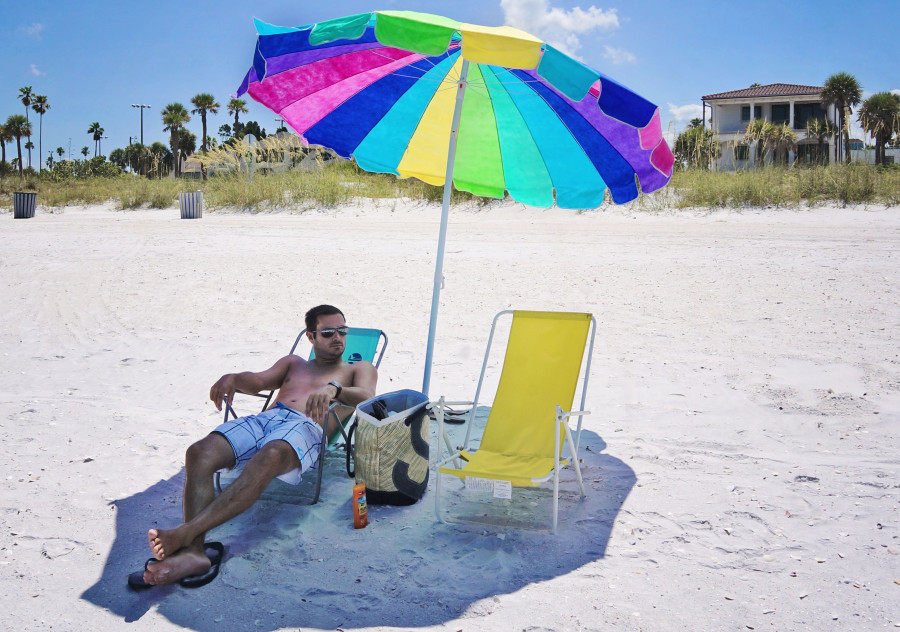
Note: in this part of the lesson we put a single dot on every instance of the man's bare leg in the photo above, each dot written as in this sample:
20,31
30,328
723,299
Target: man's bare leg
181,548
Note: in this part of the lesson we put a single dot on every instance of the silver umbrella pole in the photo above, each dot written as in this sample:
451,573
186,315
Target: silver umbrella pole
442,236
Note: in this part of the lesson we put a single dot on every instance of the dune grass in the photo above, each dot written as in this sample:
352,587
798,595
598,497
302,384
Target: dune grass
779,186
328,184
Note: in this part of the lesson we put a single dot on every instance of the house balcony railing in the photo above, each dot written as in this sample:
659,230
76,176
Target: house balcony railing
740,128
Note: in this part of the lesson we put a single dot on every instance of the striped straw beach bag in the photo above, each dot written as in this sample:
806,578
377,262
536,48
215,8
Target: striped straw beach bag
391,452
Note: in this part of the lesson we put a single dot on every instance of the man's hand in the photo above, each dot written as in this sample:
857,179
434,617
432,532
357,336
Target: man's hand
317,403
223,388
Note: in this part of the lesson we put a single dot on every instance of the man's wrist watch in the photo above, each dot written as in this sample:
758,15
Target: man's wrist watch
338,387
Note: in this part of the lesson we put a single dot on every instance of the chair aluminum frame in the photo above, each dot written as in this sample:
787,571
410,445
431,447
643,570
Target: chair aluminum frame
383,340
560,421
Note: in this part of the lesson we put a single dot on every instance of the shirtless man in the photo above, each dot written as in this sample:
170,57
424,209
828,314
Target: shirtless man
282,442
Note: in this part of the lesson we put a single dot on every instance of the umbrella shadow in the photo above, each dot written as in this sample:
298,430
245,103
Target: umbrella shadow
288,565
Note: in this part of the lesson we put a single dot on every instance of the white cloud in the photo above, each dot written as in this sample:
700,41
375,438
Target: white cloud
684,113
618,55
32,31
558,27
897,92
37,72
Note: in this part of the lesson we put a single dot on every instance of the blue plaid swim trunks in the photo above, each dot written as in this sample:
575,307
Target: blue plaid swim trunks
247,435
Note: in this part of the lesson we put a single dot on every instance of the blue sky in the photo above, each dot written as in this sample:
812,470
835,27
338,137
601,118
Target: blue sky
94,58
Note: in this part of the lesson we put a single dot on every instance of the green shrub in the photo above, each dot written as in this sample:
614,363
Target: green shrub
333,182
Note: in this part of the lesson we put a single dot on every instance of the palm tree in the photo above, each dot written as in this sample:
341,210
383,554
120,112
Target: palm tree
25,96
237,106
697,146
96,133
204,103
187,145
783,140
18,126
40,106
5,137
160,157
759,131
843,91
174,116
85,151
880,117
820,129
60,151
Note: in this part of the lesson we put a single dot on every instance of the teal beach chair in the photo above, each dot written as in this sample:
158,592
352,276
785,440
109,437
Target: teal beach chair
360,344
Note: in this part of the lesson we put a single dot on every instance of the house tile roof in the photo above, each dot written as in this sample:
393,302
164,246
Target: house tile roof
770,90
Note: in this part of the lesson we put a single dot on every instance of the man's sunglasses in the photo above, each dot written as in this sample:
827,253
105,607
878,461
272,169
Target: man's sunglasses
328,332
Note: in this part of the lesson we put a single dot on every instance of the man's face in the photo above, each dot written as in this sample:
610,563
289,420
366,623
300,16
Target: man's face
329,348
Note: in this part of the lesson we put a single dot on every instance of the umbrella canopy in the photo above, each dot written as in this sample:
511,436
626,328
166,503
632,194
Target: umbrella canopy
493,110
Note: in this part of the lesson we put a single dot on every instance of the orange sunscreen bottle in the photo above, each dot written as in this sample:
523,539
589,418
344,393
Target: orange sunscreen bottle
360,512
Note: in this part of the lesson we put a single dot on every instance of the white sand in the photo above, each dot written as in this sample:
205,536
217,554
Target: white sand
741,462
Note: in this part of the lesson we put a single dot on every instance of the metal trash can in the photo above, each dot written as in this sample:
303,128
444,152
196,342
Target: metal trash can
191,205
24,205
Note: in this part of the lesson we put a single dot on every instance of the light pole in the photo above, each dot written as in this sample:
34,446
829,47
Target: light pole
137,105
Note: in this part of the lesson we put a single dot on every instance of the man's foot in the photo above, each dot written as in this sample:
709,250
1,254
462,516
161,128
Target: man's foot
186,563
167,542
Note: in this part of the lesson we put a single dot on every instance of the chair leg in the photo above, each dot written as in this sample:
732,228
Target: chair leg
437,493
575,465
555,496
320,466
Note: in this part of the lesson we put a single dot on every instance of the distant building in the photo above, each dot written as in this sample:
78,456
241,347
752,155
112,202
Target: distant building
779,103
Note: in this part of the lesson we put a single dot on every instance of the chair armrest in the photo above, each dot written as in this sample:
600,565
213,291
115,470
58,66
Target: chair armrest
230,409
562,415
439,407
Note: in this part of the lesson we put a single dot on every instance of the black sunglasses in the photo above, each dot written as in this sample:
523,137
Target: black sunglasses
328,332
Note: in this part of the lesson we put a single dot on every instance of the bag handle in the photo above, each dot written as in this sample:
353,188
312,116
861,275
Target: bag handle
350,448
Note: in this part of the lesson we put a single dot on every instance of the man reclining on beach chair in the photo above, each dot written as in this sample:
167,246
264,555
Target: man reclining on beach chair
284,441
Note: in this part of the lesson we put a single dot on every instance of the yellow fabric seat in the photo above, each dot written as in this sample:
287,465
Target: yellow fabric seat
521,471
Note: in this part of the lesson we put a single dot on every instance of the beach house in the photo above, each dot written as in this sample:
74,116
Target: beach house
779,103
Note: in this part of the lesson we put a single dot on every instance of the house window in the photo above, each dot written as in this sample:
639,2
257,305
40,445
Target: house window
806,112
781,113
741,152
745,112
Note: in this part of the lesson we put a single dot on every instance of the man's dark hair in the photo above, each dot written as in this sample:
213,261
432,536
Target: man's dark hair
312,316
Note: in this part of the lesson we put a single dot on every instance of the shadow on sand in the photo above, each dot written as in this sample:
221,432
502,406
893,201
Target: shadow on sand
288,565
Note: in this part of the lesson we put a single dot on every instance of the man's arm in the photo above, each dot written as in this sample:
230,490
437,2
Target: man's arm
365,377
249,382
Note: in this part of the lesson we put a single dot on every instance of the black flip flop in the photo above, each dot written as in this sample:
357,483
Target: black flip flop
136,579
215,551
451,416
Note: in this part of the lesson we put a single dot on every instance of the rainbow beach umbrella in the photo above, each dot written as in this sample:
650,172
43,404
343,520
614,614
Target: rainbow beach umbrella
493,110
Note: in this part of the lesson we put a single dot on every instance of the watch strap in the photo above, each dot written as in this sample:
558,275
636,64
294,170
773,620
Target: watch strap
338,387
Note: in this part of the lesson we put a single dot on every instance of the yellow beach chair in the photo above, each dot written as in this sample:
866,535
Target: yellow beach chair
522,445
